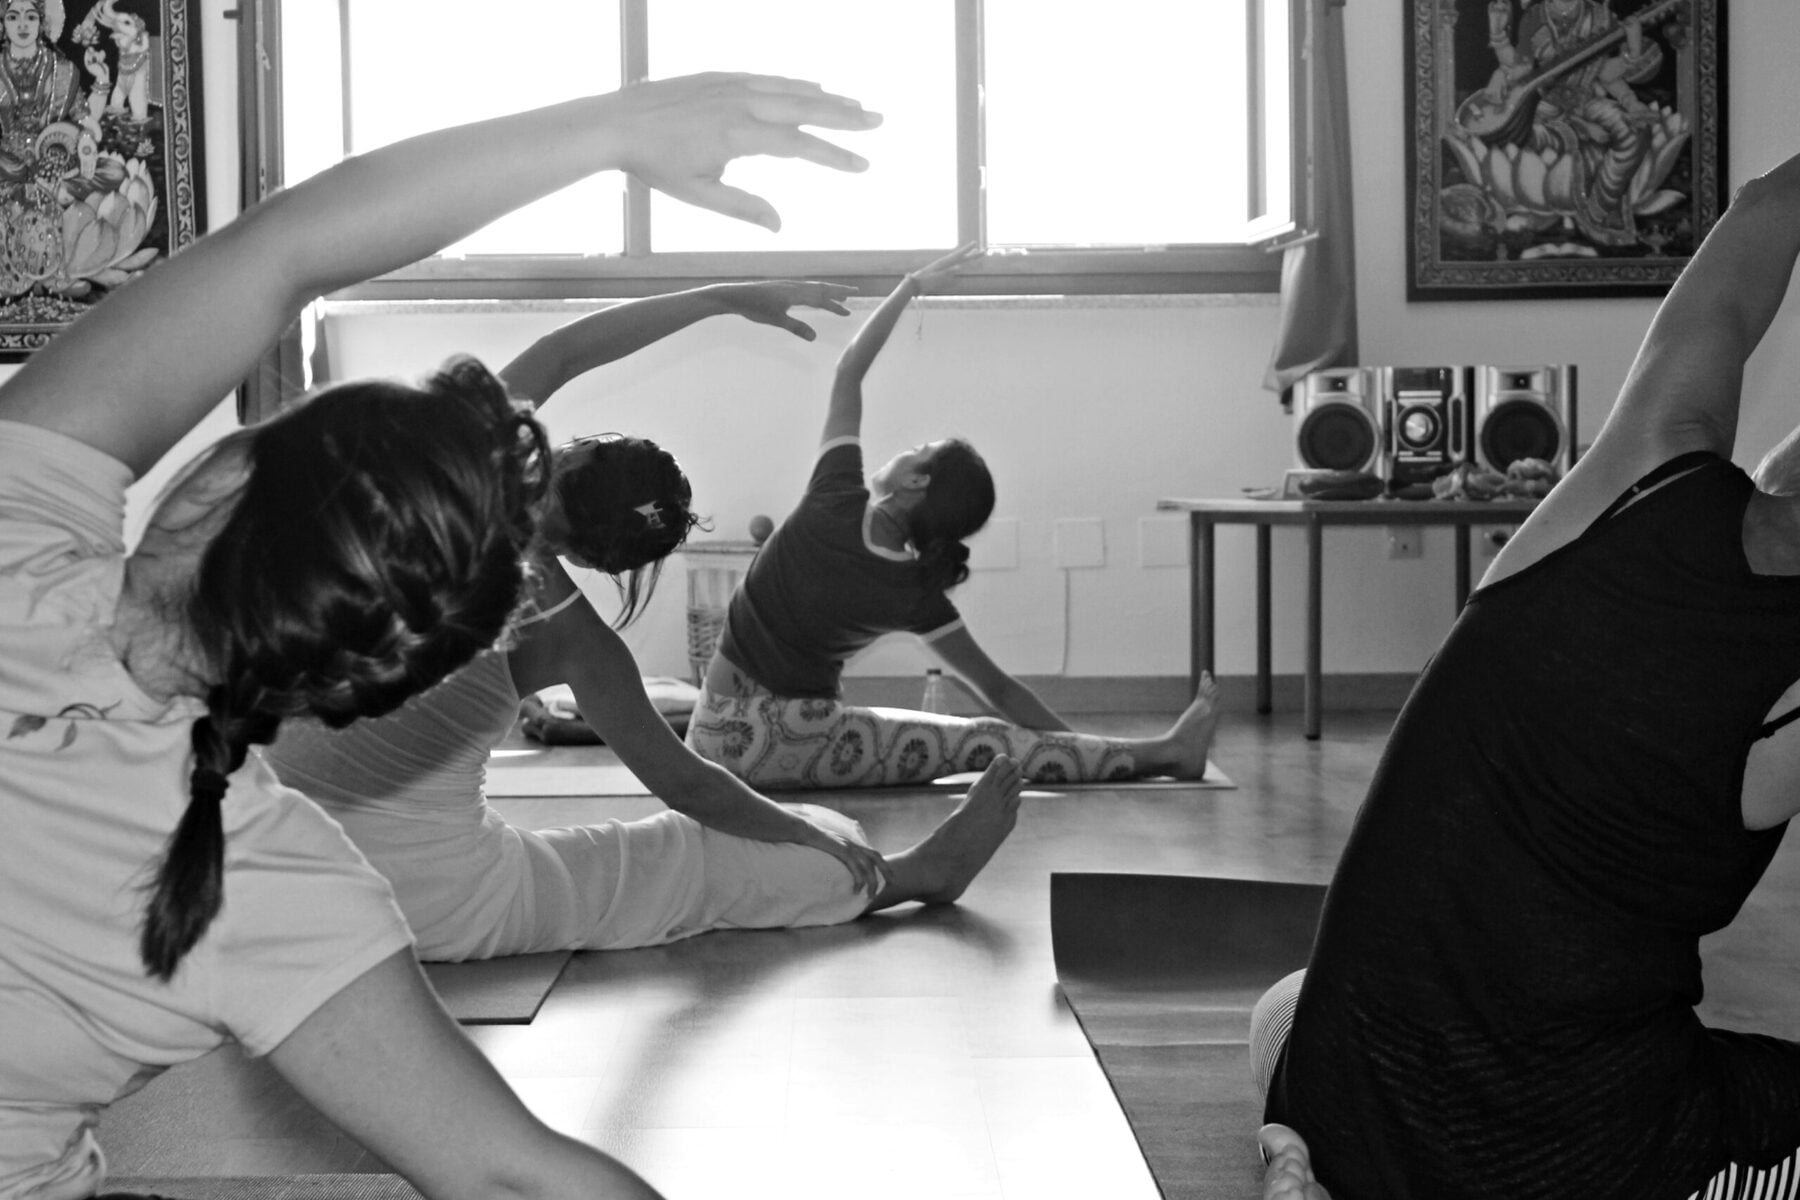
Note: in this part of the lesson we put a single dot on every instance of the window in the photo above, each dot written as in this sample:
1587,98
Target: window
1147,146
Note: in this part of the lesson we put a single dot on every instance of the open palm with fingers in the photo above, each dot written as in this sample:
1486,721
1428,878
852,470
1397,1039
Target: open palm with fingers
767,301
687,130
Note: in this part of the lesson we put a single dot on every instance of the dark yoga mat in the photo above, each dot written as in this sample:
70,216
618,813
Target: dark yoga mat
497,991
266,1187
1162,972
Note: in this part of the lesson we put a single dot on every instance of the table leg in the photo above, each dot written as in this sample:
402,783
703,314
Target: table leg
1210,606
1264,702
1315,562
1462,567
1200,598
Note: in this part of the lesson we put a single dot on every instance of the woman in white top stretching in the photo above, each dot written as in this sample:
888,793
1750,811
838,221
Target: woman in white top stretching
409,788
160,891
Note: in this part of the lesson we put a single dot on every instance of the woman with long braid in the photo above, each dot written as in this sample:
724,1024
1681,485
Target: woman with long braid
160,891
856,561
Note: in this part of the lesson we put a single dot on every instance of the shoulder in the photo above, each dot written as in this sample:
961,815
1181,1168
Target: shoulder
285,857
839,462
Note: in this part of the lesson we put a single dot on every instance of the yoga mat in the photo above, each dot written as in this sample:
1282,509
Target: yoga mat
1162,972
497,991
1213,779
266,1187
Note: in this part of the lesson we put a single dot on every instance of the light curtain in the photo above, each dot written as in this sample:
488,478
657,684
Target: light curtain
1318,274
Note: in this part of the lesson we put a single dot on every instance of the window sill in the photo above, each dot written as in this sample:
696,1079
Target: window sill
573,308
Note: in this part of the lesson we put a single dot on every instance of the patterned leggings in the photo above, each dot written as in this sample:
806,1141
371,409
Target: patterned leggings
1273,1019
776,742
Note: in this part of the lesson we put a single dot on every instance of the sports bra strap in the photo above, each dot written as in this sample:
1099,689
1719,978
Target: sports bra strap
1770,728
1676,465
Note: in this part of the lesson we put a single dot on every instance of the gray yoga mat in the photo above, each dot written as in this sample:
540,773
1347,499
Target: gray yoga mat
497,991
265,1187
1162,972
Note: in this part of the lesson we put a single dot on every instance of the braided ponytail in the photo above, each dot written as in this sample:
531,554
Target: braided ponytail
958,502
189,887
378,543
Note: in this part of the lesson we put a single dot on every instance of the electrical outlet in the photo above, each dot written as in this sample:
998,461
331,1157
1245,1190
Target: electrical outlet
1406,541
1080,542
1163,541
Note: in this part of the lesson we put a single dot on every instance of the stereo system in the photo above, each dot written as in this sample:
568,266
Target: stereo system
1408,425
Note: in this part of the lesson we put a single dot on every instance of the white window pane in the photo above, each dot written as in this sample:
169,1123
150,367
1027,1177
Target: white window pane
1128,127
412,71
896,56
1278,134
312,131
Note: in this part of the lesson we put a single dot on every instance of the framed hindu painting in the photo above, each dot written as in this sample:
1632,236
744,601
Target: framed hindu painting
99,154
1561,147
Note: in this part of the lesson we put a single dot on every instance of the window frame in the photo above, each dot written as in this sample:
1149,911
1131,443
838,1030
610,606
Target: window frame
637,271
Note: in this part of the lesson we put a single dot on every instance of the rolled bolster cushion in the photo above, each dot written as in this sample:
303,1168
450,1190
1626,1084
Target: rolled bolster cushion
552,717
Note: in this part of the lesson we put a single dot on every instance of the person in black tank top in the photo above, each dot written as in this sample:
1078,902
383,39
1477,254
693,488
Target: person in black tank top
1591,774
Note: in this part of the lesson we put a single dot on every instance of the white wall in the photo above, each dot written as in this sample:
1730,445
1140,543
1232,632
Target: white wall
1093,409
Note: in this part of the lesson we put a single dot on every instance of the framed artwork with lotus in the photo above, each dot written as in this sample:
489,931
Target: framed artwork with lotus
1561,147
99,154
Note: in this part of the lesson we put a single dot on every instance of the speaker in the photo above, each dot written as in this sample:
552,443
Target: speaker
1427,422
1525,412
1338,416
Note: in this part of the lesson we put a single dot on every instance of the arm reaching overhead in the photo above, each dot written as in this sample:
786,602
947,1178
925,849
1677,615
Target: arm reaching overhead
1684,387
625,328
1683,390
144,366
844,416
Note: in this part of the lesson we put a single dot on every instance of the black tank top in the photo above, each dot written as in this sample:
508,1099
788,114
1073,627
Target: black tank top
1500,999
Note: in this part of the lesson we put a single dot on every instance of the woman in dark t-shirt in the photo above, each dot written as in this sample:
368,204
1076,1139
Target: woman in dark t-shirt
1592,774
855,562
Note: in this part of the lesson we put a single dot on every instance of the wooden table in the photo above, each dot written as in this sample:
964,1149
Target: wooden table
1313,516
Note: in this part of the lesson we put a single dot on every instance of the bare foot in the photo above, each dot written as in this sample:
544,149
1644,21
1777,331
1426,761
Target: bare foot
1289,1174
1190,738
939,869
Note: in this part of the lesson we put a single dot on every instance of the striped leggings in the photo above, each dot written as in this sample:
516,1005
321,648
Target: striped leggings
781,742
1273,1018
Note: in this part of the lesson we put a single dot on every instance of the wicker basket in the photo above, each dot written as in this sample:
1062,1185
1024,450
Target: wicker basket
704,625
714,571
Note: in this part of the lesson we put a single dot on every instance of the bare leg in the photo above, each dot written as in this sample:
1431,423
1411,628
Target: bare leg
1289,1173
1182,751
938,869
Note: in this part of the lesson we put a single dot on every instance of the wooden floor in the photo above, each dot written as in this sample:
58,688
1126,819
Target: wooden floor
915,1053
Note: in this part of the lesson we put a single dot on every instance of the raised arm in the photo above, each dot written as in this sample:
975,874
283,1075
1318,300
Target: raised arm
1683,390
577,648
627,327
844,416
135,373
1684,387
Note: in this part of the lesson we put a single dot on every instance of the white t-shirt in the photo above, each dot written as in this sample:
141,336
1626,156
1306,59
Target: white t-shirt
93,778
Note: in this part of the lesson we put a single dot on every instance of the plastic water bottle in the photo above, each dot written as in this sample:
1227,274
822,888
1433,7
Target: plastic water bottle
935,700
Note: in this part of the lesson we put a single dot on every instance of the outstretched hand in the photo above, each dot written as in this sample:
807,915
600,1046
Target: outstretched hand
685,131
941,268
767,301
